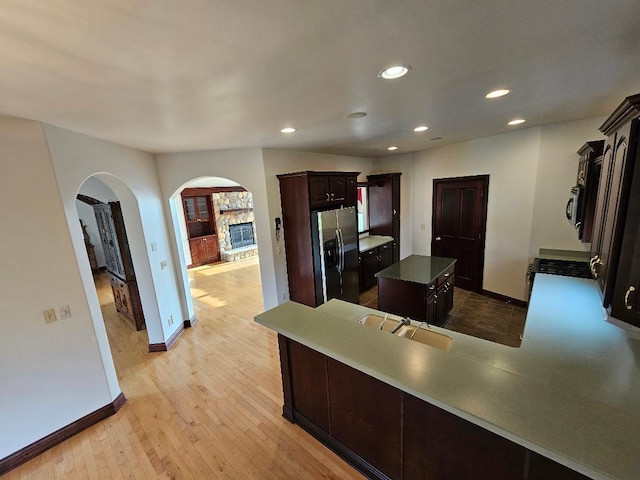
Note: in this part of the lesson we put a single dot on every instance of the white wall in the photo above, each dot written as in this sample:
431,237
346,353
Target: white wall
285,161
557,171
131,174
531,172
50,374
243,166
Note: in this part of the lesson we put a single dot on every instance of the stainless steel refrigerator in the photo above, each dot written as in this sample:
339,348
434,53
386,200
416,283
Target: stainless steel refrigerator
335,255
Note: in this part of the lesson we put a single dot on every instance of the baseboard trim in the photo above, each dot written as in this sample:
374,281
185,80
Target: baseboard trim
191,322
40,446
505,299
163,347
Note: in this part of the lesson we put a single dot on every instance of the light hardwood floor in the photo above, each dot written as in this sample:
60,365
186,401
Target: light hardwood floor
209,408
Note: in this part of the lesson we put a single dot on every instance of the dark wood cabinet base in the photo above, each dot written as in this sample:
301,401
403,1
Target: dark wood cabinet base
386,433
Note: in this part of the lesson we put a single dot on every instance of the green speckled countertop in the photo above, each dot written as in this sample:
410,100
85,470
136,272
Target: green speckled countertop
571,392
417,269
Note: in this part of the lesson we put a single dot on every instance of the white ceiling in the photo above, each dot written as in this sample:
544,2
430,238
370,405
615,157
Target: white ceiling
169,75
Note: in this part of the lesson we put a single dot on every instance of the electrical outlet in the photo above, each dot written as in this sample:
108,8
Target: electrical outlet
154,246
163,264
49,315
422,226
170,319
65,312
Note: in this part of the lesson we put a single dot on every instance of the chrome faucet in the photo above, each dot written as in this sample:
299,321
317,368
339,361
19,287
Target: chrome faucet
403,321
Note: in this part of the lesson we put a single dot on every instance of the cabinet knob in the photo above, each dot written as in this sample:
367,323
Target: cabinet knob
626,297
395,212
438,239
327,197
432,287
446,275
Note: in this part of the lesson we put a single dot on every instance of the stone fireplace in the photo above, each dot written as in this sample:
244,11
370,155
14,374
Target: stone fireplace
235,224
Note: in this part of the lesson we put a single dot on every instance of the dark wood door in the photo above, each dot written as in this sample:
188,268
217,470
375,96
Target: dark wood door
459,225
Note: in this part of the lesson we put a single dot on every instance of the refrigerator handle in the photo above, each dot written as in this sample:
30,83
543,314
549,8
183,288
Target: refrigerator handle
340,250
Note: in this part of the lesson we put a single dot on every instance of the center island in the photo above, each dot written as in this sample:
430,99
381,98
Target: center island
562,406
419,287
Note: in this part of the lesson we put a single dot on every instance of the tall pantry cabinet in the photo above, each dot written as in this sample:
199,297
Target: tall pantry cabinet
384,208
615,246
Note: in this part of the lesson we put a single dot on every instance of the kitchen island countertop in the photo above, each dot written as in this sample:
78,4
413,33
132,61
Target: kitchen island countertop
417,269
571,392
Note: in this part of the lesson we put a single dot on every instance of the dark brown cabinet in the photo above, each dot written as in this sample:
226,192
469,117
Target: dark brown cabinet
442,446
384,208
589,168
302,194
372,261
332,189
430,302
201,226
615,217
387,433
122,276
616,244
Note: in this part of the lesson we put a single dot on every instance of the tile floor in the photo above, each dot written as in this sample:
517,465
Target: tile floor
476,315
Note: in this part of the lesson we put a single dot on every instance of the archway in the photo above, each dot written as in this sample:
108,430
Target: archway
100,213
215,233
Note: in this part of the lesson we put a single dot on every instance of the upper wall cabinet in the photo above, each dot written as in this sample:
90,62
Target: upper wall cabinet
615,245
589,168
332,189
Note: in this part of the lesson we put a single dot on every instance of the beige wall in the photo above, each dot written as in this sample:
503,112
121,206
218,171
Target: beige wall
50,374
531,172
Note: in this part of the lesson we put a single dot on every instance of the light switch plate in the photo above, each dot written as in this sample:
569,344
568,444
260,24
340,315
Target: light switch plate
65,312
49,315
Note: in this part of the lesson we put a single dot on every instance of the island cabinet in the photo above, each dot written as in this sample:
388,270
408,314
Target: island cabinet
615,246
302,194
389,434
384,208
418,287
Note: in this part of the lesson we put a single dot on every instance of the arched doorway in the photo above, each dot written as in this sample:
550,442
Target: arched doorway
106,240
217,242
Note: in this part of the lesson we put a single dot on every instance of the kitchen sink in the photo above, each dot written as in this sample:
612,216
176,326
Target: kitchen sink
426,336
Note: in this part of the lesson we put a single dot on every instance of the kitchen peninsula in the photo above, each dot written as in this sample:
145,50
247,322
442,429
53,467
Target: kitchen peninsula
563,405
419,287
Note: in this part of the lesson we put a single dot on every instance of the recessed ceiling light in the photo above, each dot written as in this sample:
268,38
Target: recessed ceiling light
357,115
288,130
394,72
421,128
392,148
498,93
516,121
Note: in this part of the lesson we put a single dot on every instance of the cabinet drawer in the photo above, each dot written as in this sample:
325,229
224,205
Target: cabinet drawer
370,253
445,275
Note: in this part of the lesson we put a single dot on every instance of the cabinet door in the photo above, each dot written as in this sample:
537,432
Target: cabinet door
337,189
381,207
448,294
441,304
318,190
385,255
625,301
198,250
605,265
352,192
431,305
602,203
369,267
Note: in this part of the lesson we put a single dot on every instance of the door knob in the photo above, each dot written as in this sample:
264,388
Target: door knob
438,239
